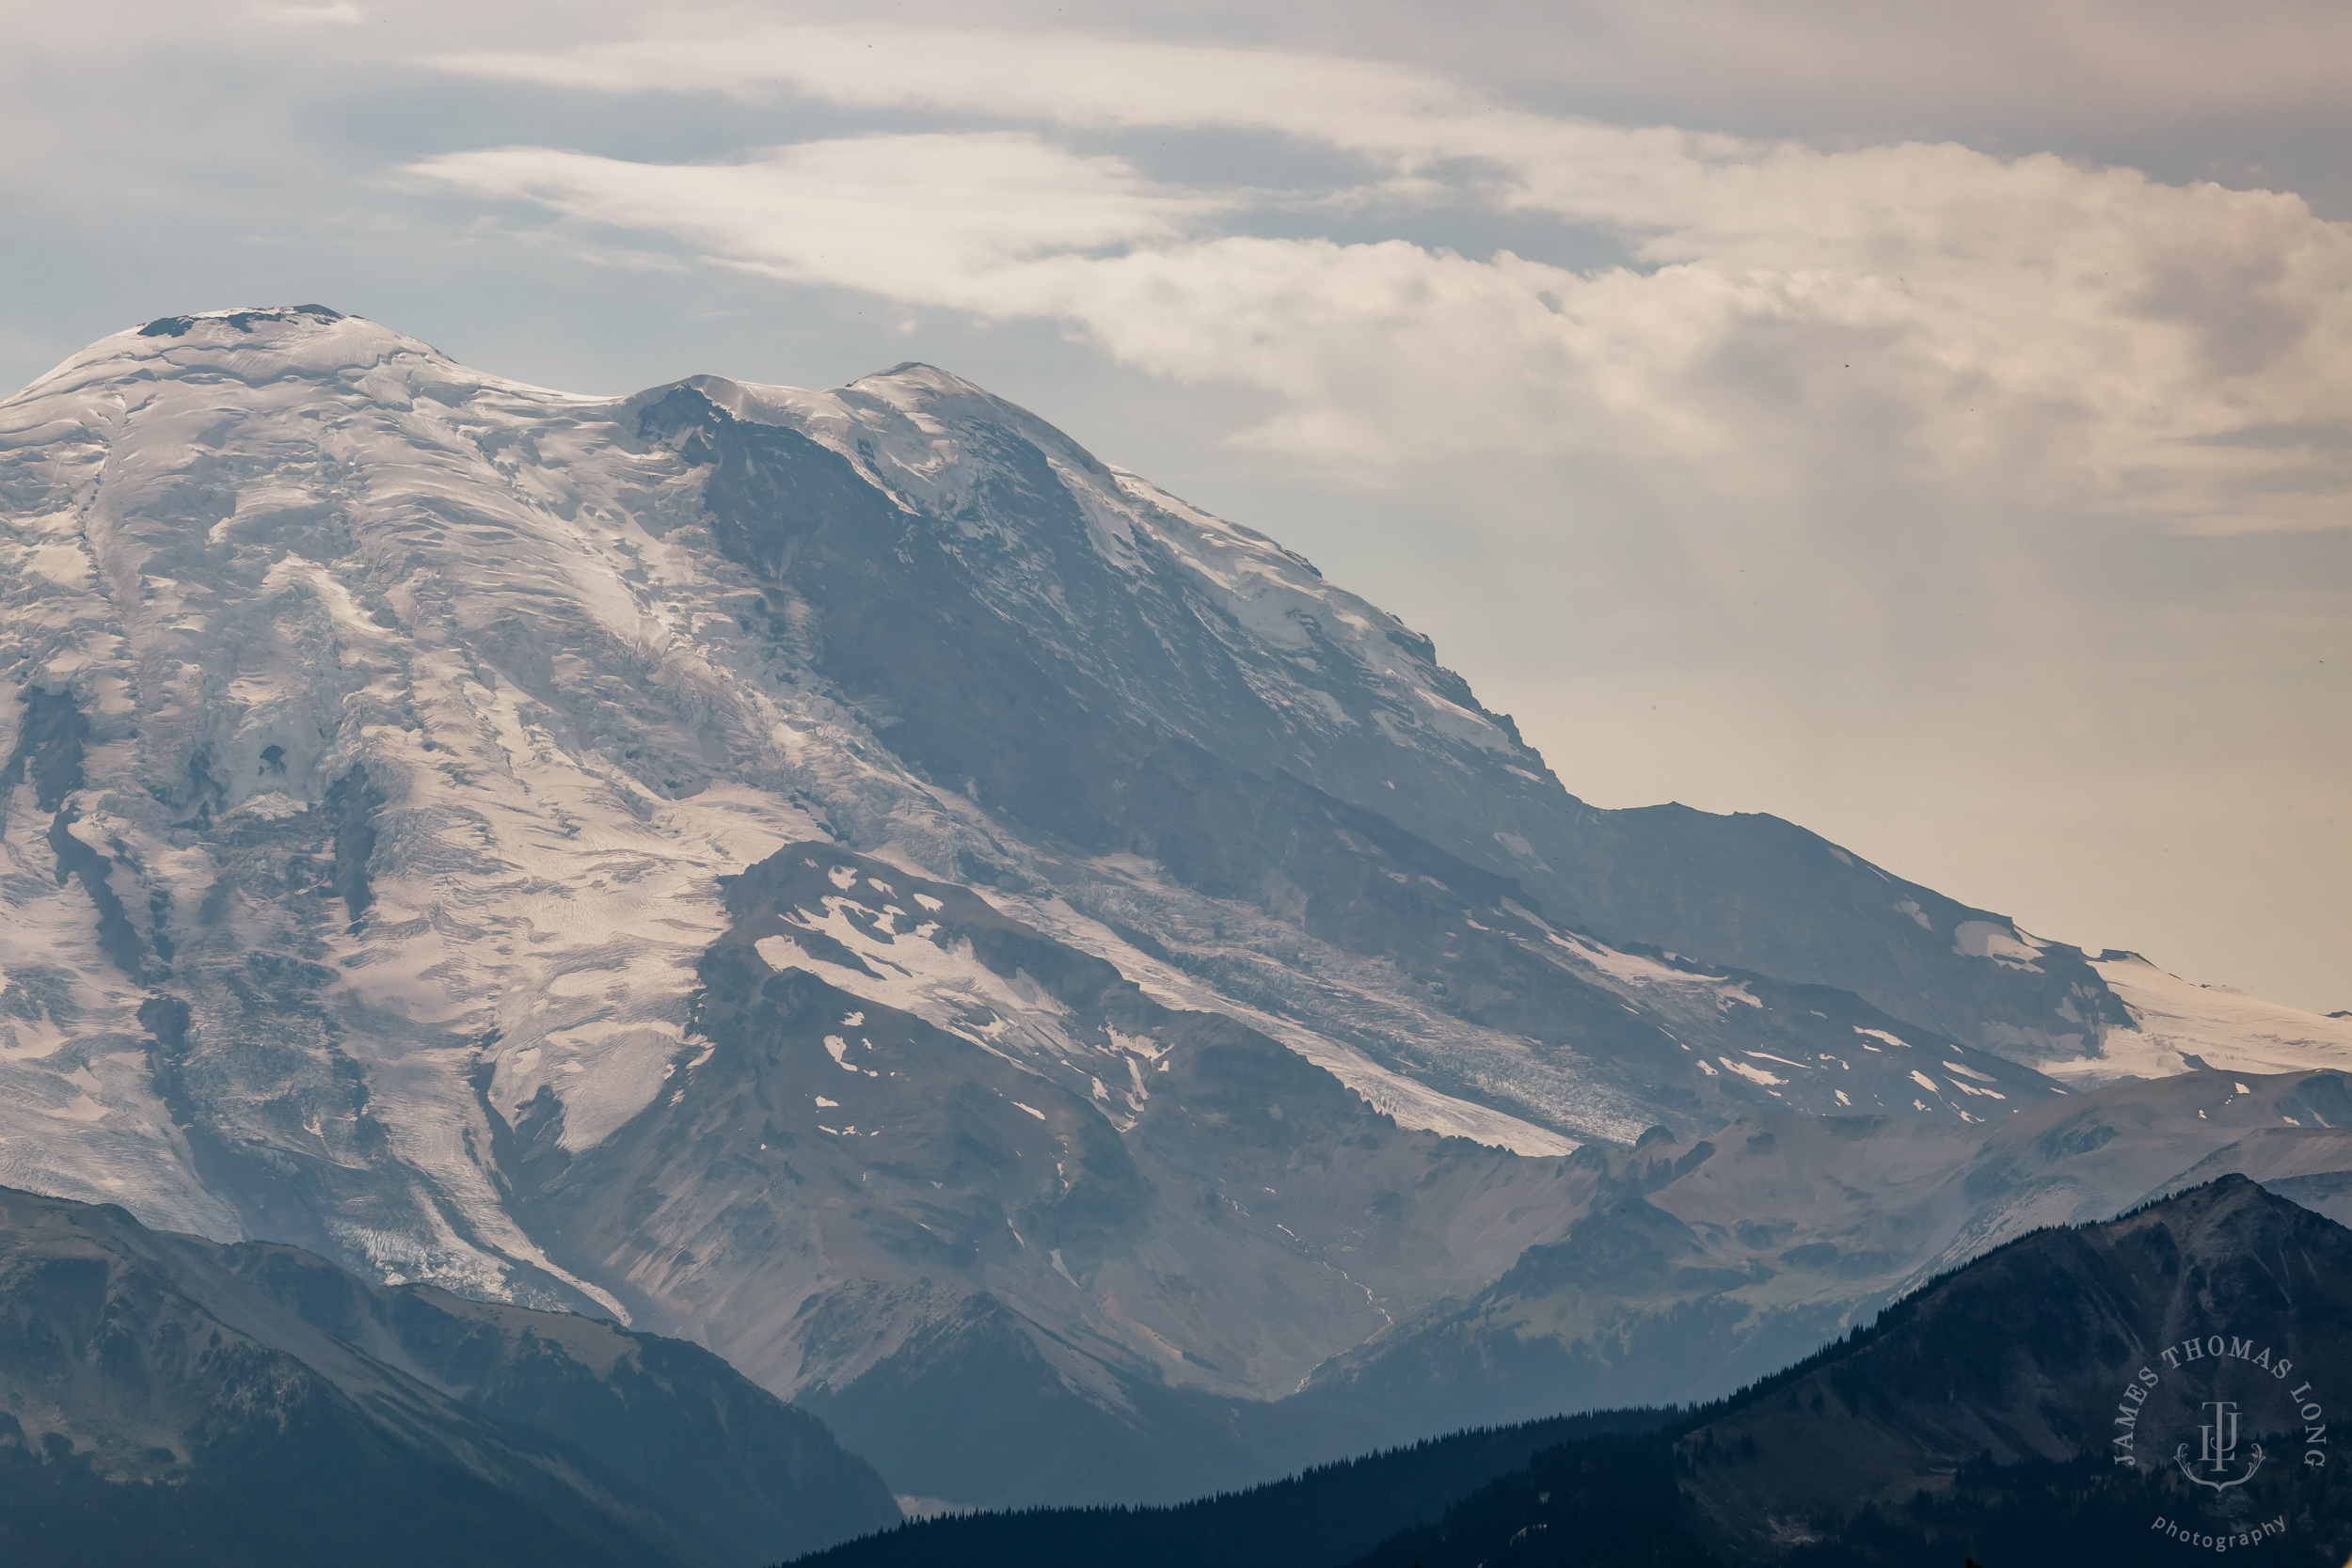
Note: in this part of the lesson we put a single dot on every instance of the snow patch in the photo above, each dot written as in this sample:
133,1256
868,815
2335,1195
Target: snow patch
2225,1029
1987,938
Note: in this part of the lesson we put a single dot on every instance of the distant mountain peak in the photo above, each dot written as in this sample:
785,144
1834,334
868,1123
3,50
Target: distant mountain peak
239,318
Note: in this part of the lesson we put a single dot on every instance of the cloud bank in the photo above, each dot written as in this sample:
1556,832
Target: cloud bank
1779,313
1745,397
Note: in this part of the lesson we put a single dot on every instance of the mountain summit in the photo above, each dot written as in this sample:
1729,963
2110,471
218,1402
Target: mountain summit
852,878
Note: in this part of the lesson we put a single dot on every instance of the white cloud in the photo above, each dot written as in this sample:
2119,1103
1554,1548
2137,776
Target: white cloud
1065,78
341,14
2056,61
1928,312
934,219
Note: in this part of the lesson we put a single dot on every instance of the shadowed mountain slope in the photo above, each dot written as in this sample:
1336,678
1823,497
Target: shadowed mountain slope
1325,1517
166,1398
2038,1408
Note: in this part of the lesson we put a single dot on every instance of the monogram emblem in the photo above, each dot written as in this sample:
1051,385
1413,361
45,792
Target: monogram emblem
2219,1452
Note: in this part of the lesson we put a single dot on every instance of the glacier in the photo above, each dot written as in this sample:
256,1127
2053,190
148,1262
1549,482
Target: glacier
851,878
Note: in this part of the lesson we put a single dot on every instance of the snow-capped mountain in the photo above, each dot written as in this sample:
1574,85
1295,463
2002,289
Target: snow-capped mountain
852,878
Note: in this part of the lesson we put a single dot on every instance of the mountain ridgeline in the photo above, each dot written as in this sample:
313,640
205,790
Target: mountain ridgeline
2047,1405
169,1400
1325,1517
1027,970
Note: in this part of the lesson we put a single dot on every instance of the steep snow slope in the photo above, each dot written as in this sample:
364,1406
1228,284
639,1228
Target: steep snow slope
2177,1022
386,735
260,562
1109,598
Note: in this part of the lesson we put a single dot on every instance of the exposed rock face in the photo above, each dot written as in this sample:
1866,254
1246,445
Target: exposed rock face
1029,1231
253,1400
1704,1264
385,737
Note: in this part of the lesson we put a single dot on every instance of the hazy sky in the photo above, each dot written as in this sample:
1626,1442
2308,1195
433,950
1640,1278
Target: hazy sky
1933,425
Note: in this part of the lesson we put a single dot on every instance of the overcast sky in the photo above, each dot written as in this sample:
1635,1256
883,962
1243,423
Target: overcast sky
1933,425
